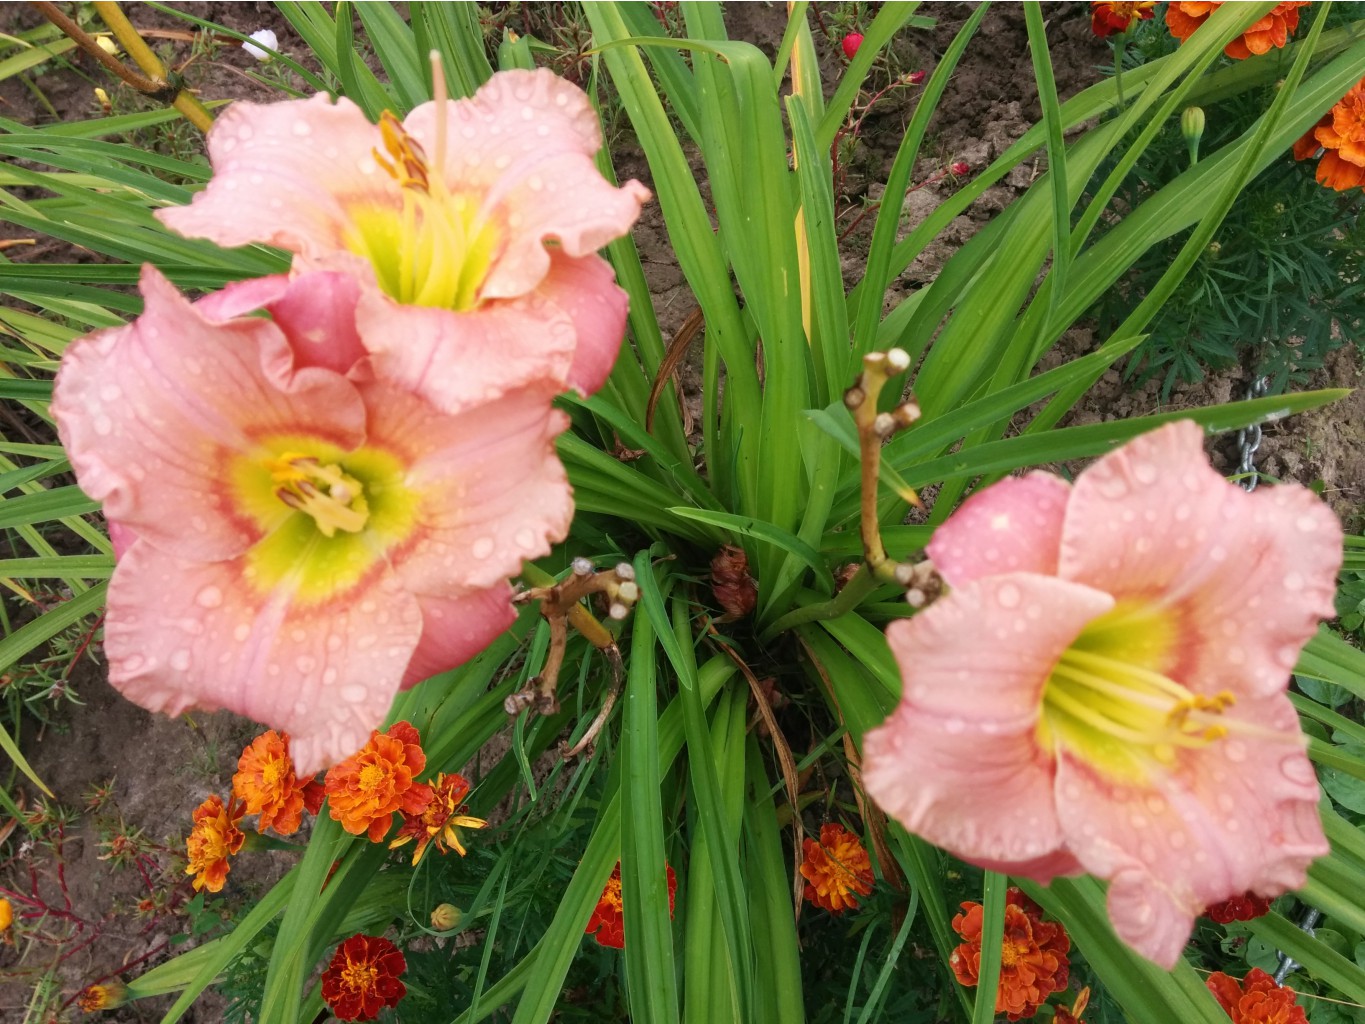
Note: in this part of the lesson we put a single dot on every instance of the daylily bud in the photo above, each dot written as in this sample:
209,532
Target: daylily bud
850,43
1192,127
446,917
102,98
266,38
107,44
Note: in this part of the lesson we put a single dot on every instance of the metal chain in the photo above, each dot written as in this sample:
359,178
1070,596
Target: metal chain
1249,439
1287,962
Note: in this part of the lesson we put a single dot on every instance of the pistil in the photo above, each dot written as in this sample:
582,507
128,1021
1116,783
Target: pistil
334,500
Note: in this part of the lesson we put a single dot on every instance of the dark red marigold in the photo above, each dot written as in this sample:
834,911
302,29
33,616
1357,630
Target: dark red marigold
607,921
1245,907
1110,18
1257,1000
362,978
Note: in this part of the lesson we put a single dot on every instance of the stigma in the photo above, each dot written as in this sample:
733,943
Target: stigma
334,500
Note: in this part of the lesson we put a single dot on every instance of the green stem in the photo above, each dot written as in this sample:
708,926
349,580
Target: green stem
857,588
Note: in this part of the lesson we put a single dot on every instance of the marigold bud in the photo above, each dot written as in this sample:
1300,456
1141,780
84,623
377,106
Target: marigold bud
107,45
1192,127
446,917
850,43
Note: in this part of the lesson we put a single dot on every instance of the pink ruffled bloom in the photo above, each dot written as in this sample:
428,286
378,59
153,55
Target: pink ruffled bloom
1103,690
474,223
297,538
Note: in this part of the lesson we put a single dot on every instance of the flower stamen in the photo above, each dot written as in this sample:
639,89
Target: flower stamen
334,500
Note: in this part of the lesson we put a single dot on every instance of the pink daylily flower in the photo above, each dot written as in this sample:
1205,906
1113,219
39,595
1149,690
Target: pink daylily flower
474,223
1103,689
298,538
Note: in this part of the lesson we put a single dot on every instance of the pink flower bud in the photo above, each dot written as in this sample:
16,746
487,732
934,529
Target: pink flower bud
915,77
960,167
850,43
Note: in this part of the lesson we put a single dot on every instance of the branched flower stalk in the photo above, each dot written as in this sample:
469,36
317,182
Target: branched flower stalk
561,605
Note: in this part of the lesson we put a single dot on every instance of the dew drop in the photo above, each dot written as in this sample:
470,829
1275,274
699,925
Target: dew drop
305,663
241,632
302,128
355,693
1306,524
209,597
104,426
181,660
483,547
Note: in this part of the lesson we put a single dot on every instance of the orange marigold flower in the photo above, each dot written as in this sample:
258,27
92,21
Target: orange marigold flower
1340,135
607,920
367,789
836,869
1245,907
1265,35
440,821
266,784
1073,1015
6,915
1033,957
106,996
214,837
1257,1000
1110,18
362,978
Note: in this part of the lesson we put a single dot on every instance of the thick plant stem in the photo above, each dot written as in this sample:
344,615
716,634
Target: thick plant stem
185,101
873,429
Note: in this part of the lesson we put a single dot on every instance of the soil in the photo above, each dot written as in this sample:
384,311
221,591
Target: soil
161,768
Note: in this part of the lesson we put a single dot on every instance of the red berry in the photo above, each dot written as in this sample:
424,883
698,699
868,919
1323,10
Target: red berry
851,43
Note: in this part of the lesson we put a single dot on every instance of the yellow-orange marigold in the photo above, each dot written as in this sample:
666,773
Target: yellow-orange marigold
6,915
105,996
1033,956
440,821
366,790
1072,1015
1256,999
837,869
1340,134
265,782
213,838
1272,31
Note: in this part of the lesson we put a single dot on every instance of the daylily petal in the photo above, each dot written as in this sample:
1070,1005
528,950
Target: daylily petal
1154,521
196,634
454,629
983,652
284,174
1232,816
493,491
1012,526
459,360
527,138
315,311
155,456
968,719
584,289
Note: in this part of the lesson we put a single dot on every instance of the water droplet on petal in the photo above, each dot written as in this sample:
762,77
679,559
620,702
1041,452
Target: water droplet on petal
209,597
355,693
483,547
181,660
